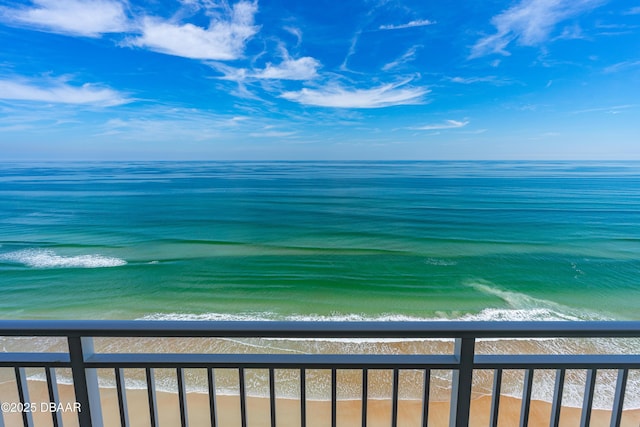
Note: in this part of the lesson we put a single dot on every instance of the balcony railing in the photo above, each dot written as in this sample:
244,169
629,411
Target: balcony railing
463,361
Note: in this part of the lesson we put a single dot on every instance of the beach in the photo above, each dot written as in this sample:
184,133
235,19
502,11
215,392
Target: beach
349,412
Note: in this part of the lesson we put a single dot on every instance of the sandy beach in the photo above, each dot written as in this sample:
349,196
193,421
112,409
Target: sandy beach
349,412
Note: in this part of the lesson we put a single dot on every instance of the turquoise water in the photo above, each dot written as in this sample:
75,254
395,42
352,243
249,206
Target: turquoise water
314,240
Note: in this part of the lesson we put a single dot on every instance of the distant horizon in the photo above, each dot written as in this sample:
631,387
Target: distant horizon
275,79
5,161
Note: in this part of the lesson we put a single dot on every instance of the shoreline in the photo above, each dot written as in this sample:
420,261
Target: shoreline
288,410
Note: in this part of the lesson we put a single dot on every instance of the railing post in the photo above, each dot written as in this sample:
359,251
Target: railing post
23,395
462,381
85,382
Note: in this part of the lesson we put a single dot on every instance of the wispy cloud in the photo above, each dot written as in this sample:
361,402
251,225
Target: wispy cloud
416,23
621,66
351,51
633,11
529,23
224,39
305,68
89,18
336,96
615,109
271,134
301,69
447,124
59,91
192,125
486,79
408,56
296,32
573,32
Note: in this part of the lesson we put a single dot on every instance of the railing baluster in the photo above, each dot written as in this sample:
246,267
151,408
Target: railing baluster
394,398
618,402
54,397
557,398
211,381
272,396
182,397
85,382
495,397
426,391
334,397
365,395
122,397
243,398
303,397
151,395
526,398
462,382
587,404
23,395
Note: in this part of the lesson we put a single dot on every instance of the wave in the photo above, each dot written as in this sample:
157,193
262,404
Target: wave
46,258
271,316
525,307
512,383
440,262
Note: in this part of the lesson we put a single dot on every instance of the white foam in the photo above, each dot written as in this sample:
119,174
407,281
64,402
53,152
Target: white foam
525,307
270,316
488,314
46,258
440,262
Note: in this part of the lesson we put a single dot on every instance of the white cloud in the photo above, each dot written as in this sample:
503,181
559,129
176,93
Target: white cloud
305,68
408,56
494,80
416,23
615,109
573,32
352,50
633,11
296,32
339,97
58,91
447,124
621,66
224,39
530,23
271,134
89,18
470,80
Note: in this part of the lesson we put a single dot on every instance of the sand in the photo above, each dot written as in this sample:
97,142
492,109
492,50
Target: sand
349,412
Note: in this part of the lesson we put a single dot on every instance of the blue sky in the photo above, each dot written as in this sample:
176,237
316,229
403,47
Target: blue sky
274,79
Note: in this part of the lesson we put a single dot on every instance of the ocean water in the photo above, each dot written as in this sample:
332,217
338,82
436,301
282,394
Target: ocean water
327,241
320,240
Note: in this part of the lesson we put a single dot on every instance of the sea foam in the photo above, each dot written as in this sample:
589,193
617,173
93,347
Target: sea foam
512,383
525,307
46,258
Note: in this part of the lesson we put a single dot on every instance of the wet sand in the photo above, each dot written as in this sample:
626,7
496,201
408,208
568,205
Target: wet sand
349,412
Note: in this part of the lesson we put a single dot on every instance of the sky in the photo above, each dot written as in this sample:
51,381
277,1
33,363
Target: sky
319,80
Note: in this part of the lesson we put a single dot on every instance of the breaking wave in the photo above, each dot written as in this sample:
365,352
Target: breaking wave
46,258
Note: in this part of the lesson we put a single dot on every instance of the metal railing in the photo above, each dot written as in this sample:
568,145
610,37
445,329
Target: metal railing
462,362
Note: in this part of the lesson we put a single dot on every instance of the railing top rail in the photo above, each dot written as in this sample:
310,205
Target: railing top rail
277,329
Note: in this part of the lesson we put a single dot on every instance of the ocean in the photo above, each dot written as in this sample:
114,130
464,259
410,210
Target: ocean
323,241
320,240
